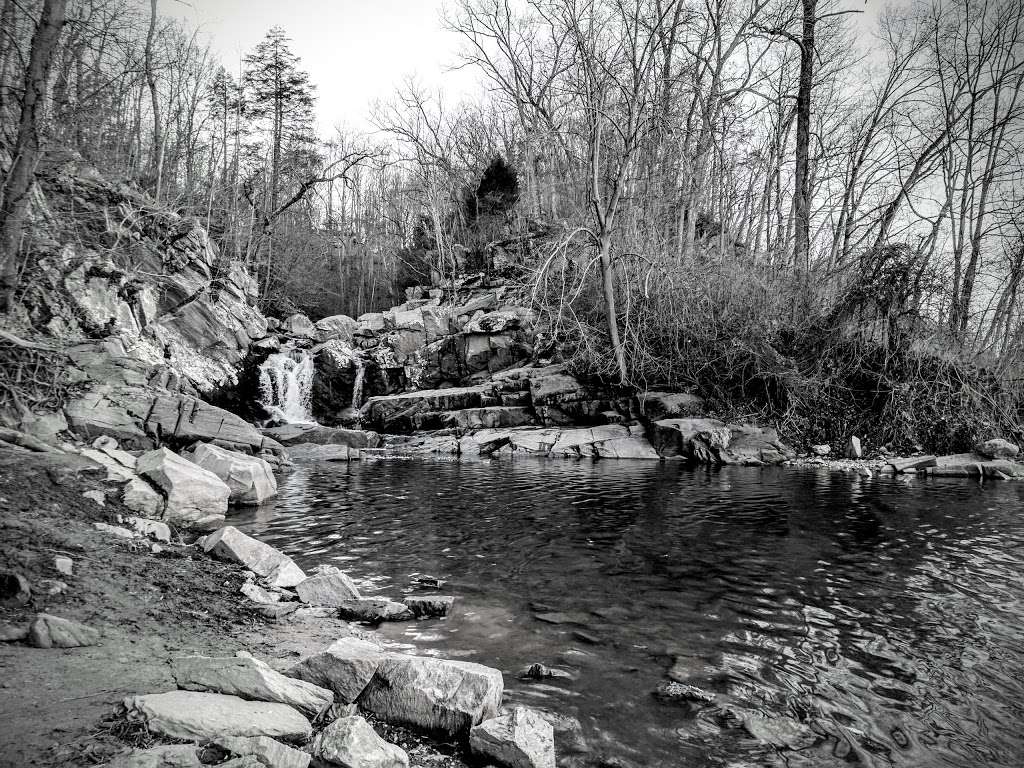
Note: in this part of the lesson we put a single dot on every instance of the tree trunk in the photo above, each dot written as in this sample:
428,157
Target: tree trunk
156,157
18,183
801,194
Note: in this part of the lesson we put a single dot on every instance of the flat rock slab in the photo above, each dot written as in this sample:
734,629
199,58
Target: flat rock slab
434,694
267,751
913,463
199,716
522,739
229,543
345,667
48,631
351,742
374,610
249,678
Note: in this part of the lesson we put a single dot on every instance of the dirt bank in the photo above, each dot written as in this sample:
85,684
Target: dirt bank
56,705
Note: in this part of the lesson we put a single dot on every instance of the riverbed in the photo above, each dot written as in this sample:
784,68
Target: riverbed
884,615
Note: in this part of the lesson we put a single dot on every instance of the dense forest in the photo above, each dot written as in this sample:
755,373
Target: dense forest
805,214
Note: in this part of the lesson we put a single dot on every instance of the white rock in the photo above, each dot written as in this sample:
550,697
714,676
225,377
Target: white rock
345,666
64,565
434,694
197,716
48,631
853,448
115,530
229,543
522,739
258,594
249,678
269,752
328,586
250,478
154,529
194,495
139,496
115,470
351,742
98,496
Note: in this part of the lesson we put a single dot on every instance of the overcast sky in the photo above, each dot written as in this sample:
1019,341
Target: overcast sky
354,50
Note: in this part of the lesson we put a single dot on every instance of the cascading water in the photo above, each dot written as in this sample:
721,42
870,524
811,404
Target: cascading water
286,383
357,385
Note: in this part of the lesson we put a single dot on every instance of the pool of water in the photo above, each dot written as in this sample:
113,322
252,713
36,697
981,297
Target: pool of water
884,615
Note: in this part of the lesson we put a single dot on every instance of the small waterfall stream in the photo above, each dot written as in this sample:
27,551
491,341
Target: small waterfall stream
357,385
286,383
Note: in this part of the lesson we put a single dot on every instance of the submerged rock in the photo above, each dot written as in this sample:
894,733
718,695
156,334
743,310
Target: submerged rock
429,606
345,667
198,716
194,496
350,742
434,694
521,739
229,543
249,678
678,693
782,732
250,478
48,631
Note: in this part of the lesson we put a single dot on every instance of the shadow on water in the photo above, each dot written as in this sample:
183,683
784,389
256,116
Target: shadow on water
885,614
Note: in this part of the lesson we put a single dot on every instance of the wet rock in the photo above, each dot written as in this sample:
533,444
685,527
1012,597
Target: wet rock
163,756
327,586
672,692
294,434
374,610
313,452
853,448
229,543
569,739
12,633
345,667
997,448
522,739
97,497
782,732
431,607
195,496
250,478
434,694
249,678
538,671
350,742
428,582
48,631
270,753
139,496
153,529
912,464
14,588
709,441
114,530
258,594
198,716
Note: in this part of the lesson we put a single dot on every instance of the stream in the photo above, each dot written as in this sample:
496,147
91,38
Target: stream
886,615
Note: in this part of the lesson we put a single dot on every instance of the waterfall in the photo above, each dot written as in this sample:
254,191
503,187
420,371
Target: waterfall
357,385
286,383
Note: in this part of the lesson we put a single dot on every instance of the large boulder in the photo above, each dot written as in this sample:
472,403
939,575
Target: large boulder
335,327
351,742
345,667
709,441
249,678
295,434
194,496
197,716
299,325
250,478
434,694
327,586
997,448
229,543
398,412
521,739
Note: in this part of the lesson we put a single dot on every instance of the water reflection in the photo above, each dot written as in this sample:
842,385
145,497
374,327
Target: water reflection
884,615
